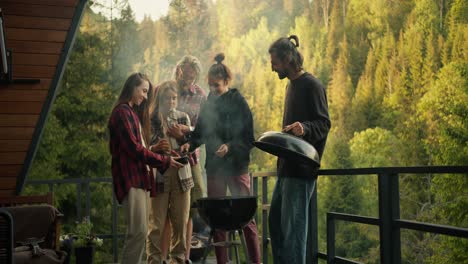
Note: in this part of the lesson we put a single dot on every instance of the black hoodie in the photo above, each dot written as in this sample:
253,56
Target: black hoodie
226,119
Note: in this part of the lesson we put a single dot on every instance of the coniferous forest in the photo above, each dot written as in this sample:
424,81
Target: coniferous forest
396,75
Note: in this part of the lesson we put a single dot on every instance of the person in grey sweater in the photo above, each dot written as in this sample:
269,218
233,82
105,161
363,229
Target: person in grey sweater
305,116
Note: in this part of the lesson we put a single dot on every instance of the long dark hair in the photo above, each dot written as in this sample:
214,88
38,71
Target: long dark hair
287,51
219,70
143,110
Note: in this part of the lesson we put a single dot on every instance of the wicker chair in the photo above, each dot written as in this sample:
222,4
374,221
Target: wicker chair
26,206
6,237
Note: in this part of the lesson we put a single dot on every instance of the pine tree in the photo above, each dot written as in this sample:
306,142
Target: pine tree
340,92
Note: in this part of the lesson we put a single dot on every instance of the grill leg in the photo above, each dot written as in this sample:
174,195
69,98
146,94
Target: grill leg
208,246
244,246
236,250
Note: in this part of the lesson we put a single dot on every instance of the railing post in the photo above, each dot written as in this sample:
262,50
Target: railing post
114,227
330,238
88,198
389,211
265,220
78,202
254,181
312,232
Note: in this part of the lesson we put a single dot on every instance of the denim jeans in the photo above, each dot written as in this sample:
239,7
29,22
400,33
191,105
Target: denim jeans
289,218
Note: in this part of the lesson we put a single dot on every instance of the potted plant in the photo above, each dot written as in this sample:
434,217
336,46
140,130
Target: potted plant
84,241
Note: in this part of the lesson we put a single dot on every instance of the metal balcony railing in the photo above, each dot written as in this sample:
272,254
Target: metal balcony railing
83,185
389,221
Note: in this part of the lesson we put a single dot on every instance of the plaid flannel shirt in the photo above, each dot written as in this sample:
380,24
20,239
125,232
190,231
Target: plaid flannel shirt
129,157
190,102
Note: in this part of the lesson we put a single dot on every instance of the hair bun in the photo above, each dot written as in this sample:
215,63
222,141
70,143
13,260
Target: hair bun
296,40
219,57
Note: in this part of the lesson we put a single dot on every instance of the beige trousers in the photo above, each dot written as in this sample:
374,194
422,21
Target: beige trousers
175,205
135,207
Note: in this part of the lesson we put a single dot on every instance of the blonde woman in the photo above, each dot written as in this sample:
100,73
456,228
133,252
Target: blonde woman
171,192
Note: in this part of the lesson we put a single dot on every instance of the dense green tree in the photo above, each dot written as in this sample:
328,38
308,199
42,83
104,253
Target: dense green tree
444,109
340,92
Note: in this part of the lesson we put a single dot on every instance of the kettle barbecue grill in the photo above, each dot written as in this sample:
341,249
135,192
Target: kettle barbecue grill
227,213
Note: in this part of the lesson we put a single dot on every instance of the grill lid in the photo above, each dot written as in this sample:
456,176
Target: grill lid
289,147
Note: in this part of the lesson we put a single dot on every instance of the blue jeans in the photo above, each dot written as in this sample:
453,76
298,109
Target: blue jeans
289,218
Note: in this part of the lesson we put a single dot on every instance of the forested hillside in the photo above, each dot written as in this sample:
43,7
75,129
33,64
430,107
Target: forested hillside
396,74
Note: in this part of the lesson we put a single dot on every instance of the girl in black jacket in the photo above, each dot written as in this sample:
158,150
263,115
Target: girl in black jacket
225,126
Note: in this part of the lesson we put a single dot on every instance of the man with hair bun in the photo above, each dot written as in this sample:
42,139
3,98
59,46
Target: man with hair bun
305,116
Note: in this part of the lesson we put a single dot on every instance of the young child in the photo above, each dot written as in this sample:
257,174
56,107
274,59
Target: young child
171,193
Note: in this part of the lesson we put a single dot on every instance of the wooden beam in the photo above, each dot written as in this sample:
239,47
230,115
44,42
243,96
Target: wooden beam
11,95
4,193
13,8
8,183
9,133
35,59
34,47
29,199
69,3
33,72
44,84
10,170
12,158
12,120
14,145
20,107
13,21
36,35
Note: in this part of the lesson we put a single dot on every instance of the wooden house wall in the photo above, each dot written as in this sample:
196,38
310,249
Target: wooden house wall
36,32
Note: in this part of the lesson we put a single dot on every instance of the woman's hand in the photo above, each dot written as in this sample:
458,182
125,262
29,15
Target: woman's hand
178,131
185,148
222,150
175,164
161,146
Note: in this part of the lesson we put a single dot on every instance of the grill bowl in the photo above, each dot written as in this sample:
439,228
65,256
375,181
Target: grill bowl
227,212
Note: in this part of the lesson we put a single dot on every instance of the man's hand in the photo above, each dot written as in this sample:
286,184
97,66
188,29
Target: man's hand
178,131
185,148
295,128
222,150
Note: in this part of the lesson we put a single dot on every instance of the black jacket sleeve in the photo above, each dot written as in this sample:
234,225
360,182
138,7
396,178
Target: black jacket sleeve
242,129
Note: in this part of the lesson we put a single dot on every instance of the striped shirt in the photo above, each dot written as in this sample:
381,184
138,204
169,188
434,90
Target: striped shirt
158,132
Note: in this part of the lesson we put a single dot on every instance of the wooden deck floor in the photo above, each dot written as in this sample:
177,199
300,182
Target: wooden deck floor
209,260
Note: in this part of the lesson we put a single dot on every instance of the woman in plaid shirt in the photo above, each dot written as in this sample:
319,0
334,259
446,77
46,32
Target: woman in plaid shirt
172,189
129,128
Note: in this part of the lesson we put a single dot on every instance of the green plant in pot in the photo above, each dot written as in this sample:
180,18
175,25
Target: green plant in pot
84,241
